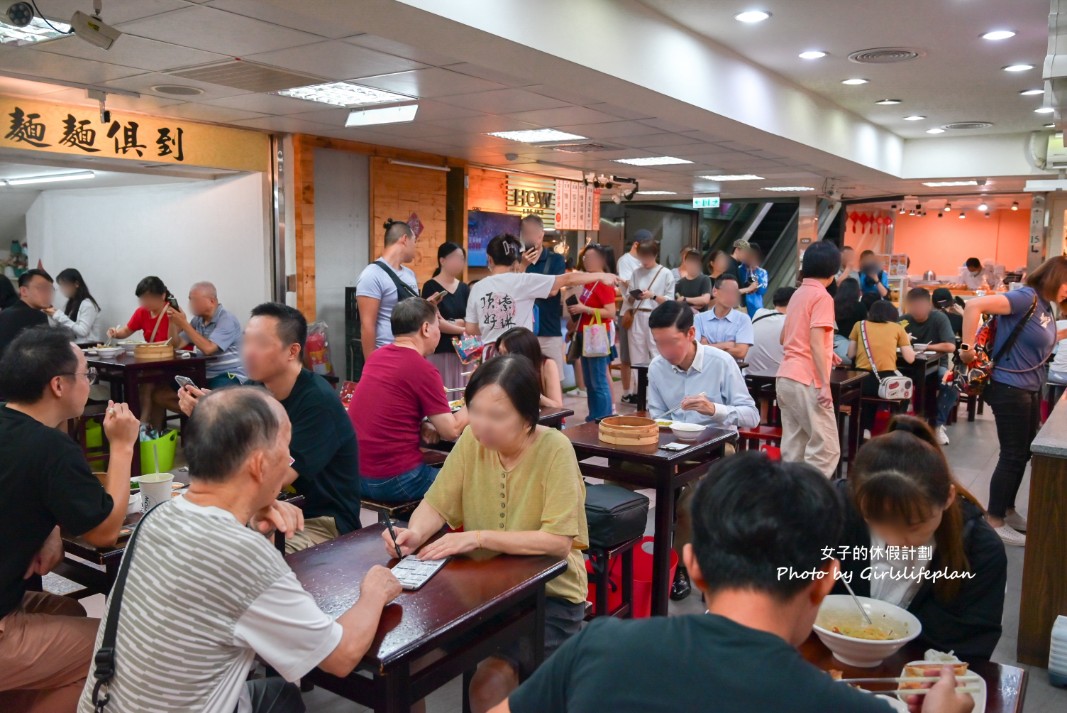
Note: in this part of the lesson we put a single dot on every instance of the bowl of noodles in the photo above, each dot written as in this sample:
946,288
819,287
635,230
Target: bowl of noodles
853,641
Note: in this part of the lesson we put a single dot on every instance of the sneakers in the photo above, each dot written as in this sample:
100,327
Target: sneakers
1015,521
579,393
942,436
629,399
1010,537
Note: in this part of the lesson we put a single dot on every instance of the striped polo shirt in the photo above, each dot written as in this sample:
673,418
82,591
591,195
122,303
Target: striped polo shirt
225,331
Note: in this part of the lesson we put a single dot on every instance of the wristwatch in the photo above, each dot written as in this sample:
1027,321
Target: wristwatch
965,347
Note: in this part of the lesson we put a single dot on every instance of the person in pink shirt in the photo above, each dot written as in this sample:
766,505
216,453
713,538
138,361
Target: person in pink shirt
809,425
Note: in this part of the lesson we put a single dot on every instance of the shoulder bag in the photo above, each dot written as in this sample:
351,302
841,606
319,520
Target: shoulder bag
403,291
892,388
628,318
971,379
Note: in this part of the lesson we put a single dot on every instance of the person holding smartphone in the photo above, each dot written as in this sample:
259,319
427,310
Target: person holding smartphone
548,324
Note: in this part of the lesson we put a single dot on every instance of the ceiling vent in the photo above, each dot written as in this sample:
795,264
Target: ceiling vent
248,76
177,90
583,147
886,55
969,125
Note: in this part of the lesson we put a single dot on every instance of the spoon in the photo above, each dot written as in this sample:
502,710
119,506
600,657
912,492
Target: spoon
859,606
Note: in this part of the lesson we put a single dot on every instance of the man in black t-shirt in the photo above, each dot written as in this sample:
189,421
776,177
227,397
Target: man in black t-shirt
46,643
947,305
932,328
35,294
323,444
734,259
760,531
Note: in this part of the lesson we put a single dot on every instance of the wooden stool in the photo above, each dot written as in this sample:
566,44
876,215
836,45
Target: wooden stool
895,406
974,404
601,577
390,511
750,439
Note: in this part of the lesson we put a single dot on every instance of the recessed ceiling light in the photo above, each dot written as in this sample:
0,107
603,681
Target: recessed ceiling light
656,193
854,81
750,16
382,115
1044,110
734,177
1032,92
812,54
535,136
788,189
1018,67
37,31
949,184
998,35
888,102
652,161
935,130
342,94
914,117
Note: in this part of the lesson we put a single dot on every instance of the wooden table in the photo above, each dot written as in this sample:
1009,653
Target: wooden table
1044,590
553,417
923,372
846,388
665,471
427,638
1005,685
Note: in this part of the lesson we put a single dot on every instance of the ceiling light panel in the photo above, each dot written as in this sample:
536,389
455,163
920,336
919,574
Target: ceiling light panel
342,94
653,161
536,136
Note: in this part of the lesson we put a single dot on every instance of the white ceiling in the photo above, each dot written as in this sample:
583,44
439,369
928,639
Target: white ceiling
461,100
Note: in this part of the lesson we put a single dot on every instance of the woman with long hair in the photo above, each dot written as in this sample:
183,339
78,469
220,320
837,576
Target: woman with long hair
848,309
452,306
596,301
1014,392
81,314
520,340
907,519
884,335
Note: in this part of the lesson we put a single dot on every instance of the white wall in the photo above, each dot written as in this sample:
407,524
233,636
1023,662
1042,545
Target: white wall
342,207
181,232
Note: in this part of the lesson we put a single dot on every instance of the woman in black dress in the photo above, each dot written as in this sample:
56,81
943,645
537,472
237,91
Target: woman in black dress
451,260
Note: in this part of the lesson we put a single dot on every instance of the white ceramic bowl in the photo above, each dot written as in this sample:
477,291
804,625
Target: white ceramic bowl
838,609
686,431
129,346
108,352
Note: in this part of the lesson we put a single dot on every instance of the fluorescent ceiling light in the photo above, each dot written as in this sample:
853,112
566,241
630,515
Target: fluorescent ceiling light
536,136
652,161
384,115
736,177
1032,92
656,193
998,35
854,81
750,16
812,54
1049,126
1044,110
1018,67
949,184
788,189
49,178
935,130
914,117
888,102
34,33
342,94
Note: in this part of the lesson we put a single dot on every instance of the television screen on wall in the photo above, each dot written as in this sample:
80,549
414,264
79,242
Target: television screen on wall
482,227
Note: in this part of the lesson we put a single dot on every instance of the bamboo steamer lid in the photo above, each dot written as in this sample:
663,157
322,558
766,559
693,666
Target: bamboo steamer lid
629,431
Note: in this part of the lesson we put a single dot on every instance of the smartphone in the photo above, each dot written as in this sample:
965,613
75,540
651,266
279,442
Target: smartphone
173,302
436,297
184,381
636,293
571,301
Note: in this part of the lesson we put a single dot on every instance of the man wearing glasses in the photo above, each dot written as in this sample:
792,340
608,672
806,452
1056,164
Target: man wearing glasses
46,641
35,295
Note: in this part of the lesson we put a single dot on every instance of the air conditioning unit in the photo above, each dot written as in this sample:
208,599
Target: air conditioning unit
1056,154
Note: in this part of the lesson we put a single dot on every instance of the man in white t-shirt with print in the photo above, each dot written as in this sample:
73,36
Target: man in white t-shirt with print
206,591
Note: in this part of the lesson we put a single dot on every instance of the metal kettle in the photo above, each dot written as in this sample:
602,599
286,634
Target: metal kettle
930,276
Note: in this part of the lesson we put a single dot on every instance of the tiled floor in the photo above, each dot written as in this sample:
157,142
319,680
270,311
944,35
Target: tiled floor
973,454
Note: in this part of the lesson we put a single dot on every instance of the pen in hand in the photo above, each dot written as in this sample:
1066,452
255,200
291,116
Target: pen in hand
392,534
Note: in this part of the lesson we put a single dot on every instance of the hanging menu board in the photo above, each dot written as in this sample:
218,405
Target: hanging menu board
577,206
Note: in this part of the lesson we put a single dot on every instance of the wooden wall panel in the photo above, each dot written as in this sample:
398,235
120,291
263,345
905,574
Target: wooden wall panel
397,192
487,190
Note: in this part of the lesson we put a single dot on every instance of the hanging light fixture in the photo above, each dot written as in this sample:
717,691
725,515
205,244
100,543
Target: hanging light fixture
962,215
987,214
948,207
1015,205
940,214
983,207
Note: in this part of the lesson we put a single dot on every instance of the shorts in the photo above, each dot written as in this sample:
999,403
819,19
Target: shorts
563,619
552,348
624,341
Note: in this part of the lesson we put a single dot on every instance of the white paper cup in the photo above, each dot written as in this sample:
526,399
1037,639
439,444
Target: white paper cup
155,489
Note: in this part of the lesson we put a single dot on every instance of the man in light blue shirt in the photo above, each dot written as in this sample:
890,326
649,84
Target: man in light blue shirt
212,331
723,326
705,385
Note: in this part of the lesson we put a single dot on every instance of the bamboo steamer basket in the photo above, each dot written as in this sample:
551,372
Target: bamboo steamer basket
156,351
629,431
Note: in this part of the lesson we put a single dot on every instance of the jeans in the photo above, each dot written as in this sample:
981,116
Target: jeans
221,381
1017,414
947,398
274,695
411,485
597,386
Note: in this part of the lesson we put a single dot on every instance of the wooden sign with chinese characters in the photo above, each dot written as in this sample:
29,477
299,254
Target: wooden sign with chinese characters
39,126
577,206
532,195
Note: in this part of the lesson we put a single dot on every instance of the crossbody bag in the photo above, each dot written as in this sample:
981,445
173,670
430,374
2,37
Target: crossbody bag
892,388
628,318
403,290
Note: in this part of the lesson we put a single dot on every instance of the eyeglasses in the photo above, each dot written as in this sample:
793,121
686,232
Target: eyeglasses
89,374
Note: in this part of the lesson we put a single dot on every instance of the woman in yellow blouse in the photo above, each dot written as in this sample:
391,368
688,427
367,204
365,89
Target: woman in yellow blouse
515,488
885,334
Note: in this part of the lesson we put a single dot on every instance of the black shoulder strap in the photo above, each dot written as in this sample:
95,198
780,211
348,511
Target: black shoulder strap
401,286
104,660
1015,332
775,313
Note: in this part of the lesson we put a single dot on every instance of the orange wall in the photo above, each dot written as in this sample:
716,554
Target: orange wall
944,244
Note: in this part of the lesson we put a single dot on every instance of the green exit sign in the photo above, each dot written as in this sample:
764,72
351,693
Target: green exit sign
705,201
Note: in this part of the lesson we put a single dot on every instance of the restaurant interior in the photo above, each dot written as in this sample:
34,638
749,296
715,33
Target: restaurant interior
260,146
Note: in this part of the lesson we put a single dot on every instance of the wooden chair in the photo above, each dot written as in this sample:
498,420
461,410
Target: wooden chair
76,428
390,511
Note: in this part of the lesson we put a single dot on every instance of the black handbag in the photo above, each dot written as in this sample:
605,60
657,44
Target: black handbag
614,514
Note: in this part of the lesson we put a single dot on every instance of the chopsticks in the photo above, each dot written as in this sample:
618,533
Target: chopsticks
664,416
923,691
968,678
904,679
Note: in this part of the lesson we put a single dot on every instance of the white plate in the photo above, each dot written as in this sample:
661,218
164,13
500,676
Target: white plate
969,679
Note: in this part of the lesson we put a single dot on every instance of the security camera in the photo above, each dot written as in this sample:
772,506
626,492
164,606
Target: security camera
16,14
94,30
